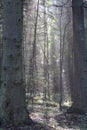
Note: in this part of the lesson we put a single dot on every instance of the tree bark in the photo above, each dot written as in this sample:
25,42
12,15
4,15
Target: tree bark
79,90
12,91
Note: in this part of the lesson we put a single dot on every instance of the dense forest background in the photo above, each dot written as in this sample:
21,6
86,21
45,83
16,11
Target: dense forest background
43,64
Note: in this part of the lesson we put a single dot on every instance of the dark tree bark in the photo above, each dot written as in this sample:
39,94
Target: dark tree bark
0,38
12,91
79,89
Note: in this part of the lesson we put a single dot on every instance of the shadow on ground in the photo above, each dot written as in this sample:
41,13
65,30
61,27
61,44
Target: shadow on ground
32,126
72,121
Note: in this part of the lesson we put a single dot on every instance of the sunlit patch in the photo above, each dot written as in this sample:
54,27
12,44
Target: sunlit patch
68,103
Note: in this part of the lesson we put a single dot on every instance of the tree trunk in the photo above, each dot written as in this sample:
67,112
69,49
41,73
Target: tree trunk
12,91
79,90
0,38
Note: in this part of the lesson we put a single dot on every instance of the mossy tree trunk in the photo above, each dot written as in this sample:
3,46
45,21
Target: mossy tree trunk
12,91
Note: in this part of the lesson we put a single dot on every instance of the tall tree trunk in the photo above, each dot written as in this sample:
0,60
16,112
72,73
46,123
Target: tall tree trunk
79,90
0,38
61,61
12,91
34,50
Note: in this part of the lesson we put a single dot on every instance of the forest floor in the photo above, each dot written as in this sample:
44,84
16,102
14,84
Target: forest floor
61,121
47,113
46,116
